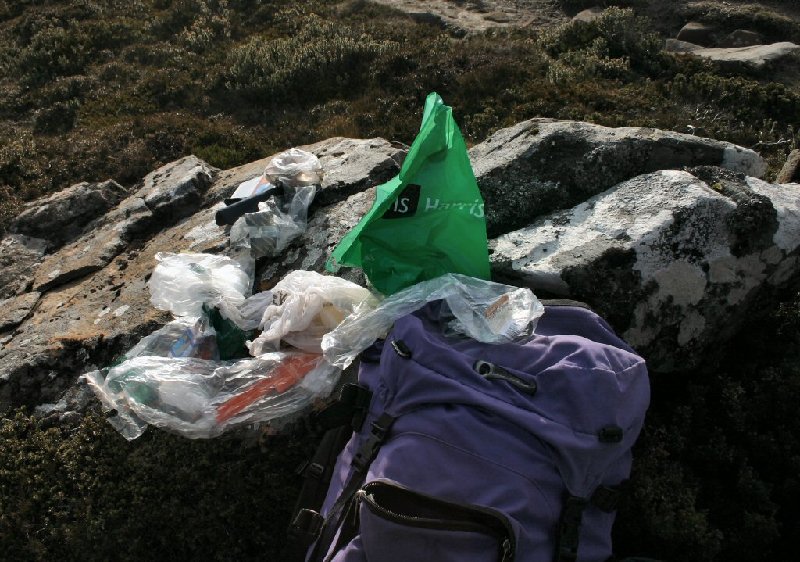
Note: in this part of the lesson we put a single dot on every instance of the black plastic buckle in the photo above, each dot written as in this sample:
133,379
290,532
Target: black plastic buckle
306,526
606,498
367,452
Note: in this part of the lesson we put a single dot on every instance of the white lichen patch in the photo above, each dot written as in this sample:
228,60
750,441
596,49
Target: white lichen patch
692,326
683,282
786,200
101,314
743,160
121,310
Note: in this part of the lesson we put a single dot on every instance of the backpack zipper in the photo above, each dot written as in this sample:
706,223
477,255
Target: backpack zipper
490,371
451,516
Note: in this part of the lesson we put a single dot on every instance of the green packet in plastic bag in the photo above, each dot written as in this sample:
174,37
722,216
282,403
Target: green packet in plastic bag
426,221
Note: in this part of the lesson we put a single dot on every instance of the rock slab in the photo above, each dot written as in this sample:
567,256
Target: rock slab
542,165
672,262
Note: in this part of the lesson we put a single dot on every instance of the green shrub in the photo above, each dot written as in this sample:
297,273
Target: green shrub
84,493
617,34
321,61
58,118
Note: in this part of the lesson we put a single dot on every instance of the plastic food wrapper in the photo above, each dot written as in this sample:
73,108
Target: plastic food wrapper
294,168
278,221
307,305
200,398
483,310
183,283
249,188
428,220
183,337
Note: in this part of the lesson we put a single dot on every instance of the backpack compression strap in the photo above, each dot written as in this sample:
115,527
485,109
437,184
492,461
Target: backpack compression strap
341,419
361,462
604,498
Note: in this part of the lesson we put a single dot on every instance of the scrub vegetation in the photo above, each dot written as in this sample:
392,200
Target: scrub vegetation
98,89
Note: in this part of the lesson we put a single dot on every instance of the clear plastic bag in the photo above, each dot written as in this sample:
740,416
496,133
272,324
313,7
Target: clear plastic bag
307,305
269,231
199,398
483,310
294,168
183,283
183,337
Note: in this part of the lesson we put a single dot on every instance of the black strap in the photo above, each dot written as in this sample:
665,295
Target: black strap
569,529
605,498
350,409
341,418
361,462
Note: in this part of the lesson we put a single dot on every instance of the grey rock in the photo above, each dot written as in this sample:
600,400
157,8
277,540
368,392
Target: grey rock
738,58
176,190
790,173
741,38
168,194
20,257
15,310
662,257
541,165
60,217
589,14
98,304
698,33
353,165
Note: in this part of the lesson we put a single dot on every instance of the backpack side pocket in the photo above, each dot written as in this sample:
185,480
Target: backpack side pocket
398,525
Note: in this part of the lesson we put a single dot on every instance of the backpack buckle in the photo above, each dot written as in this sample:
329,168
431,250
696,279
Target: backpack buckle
306,526
367,452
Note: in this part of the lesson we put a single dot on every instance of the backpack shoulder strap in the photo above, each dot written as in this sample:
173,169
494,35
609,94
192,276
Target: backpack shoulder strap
341,419
360,464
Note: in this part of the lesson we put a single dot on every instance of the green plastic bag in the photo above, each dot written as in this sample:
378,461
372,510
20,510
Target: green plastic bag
426,221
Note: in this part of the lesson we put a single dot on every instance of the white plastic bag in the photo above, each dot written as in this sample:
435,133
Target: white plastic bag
269,231
294,168
485,311
307,305
198,398
182,283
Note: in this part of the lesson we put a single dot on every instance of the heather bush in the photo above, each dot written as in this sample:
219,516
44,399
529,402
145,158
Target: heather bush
321,61
615,40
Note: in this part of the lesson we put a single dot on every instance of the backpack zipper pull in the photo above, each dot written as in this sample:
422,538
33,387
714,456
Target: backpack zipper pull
401,349
490,371
507,551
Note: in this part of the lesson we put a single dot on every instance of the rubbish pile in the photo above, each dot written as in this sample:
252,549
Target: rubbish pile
230,358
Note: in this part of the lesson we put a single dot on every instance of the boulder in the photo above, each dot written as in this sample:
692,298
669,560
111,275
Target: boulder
61,217
176,190
790,173
698,34
675,263
168,194
20,257
87,317
13,311
738,58
541,165
589,14
741,38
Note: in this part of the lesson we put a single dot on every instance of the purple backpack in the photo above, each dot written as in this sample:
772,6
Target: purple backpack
465,451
